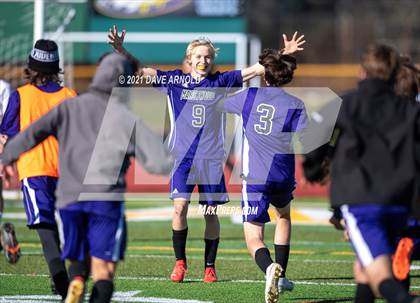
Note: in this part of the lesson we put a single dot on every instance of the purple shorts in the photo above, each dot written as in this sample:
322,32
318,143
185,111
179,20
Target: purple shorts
94,228
374,229
39,200
256,199
206,174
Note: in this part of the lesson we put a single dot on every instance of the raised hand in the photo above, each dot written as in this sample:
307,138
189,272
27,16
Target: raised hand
293,45
115,40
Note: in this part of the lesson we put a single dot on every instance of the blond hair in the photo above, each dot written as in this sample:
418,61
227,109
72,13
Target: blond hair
199,42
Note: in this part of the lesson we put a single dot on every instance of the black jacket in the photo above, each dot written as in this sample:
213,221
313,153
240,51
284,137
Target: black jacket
375,159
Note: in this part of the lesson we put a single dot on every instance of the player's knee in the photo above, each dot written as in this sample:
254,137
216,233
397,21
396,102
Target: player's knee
283,213
359,274
284,216
180,211
101,270
252,242
99,274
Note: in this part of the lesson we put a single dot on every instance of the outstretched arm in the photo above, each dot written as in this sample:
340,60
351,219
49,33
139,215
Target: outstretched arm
290,47
151,151
117,41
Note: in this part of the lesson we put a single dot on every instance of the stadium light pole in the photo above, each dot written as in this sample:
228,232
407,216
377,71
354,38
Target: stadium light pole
38,19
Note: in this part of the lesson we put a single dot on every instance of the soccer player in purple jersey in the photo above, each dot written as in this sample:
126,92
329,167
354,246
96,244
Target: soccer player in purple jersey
270,118
196,139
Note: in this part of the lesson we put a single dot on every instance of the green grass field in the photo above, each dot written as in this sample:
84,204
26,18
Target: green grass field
320,265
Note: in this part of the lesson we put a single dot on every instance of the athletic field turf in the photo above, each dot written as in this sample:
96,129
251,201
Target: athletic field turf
320,263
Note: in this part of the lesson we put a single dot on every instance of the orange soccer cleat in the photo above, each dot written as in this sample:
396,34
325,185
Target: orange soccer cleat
178,273
401,258
210,275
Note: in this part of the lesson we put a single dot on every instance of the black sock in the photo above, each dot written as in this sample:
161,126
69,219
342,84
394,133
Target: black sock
51,249
364,294
61,283
210,252
102,292
179,240
406,283
80,269
263,258
282,256
393,291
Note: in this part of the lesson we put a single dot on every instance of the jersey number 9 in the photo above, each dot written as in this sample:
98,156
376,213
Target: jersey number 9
198,115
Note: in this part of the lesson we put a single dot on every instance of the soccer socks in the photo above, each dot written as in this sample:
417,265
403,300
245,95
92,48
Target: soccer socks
179,240
406,283
263,258
51,248
59,276
394,291
102,292
282,257
80,269
364,294
210,252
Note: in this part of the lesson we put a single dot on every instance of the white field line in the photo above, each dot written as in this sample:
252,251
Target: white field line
118,296
199,280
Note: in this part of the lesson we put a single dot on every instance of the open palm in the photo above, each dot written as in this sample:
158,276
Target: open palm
293,45
115,40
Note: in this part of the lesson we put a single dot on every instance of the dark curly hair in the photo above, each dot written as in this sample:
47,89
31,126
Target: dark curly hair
278,68
38,78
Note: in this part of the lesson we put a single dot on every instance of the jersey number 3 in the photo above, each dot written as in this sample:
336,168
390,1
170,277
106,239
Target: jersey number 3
265,126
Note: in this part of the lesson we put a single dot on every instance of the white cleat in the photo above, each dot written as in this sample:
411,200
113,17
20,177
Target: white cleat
285,285
272,283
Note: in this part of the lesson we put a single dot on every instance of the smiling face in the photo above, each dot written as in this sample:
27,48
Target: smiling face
201,59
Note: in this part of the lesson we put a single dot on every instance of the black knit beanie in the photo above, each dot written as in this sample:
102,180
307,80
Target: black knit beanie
44,57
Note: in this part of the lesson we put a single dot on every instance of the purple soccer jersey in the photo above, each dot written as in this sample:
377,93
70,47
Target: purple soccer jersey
197,128
270,118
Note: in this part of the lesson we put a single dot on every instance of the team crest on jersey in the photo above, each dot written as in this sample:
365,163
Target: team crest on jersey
201,95
138,8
